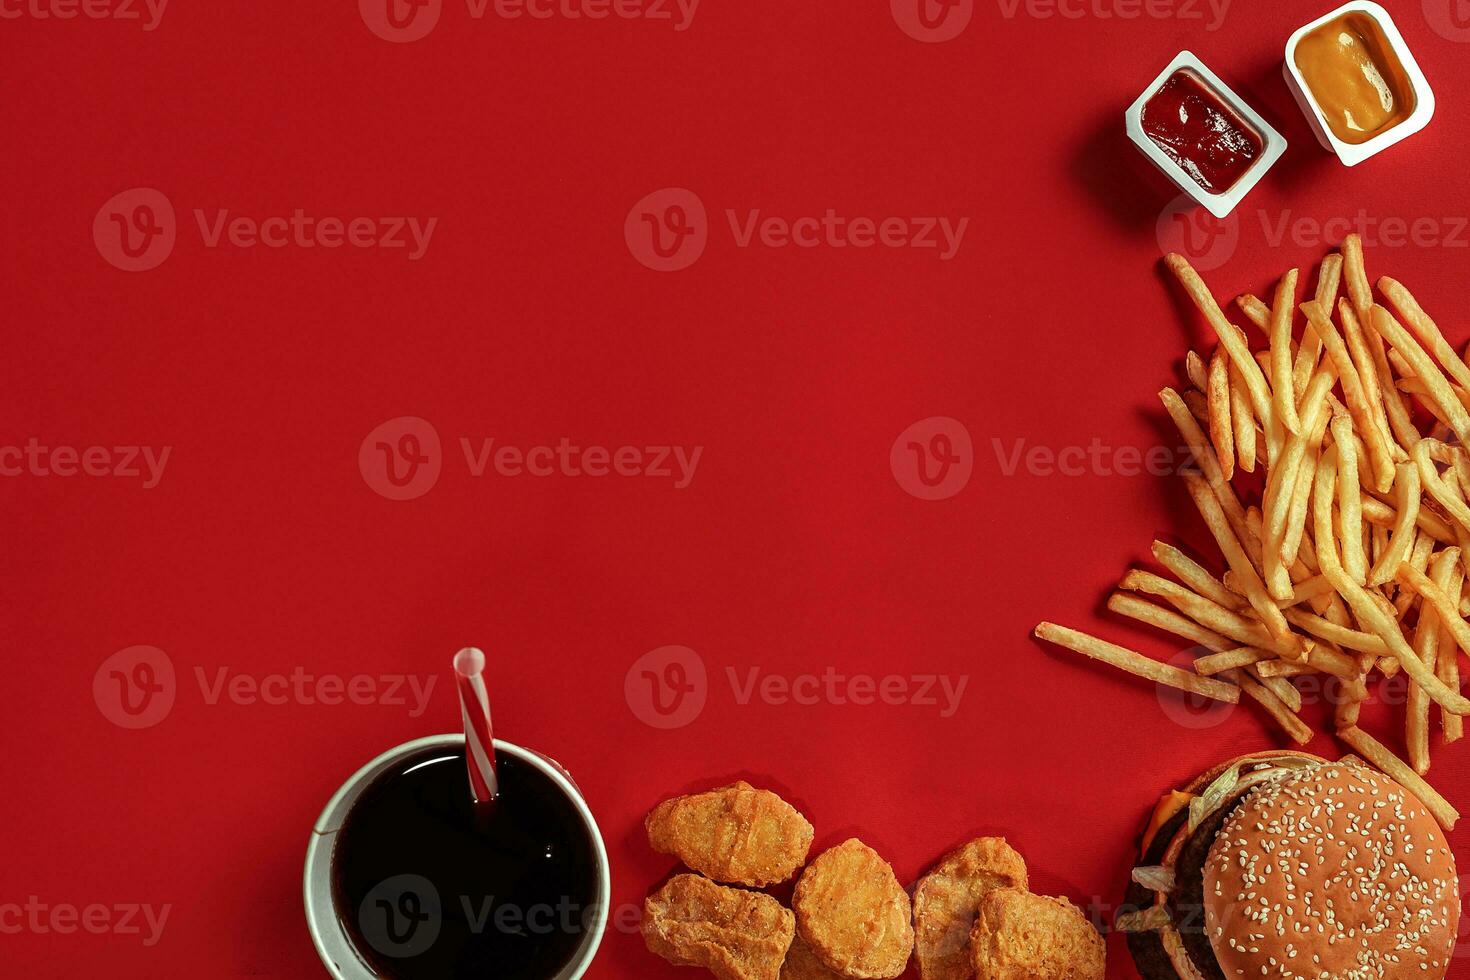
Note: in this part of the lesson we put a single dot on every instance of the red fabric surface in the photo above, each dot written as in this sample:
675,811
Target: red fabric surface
794,549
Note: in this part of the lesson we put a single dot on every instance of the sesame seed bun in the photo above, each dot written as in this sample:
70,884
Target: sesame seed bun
1331,871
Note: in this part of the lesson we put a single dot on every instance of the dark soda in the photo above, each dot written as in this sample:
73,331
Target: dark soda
432,887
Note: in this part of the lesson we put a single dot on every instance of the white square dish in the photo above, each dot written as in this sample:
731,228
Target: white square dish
1352,154
1273,144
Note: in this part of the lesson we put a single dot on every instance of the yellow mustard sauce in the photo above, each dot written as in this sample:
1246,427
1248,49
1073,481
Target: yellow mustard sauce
1356,77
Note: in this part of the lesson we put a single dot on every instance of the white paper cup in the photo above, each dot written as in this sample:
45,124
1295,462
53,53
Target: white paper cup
336,949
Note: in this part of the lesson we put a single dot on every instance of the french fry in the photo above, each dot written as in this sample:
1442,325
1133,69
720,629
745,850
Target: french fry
1234,342
1167,620
1218,663
1285,668
1354,274
1379,455
1212,616
1435,597
1358,350
1400,422
1255,311
1222,428
1198,406
1429,476
1195,371
1376,511
1281,484
1426,645
1235,556
1392,766
1282,379
1194,575
1304,591
1295,543
1279,686
1137,664
1278,709
1204,457
1310,348
1449,656
1244,421
1439,389
1364,608
1349,499
1425,329
1409,492
1418,558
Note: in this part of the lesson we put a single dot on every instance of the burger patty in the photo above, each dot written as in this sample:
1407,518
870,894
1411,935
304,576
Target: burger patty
1186,904
1188,901
1146,947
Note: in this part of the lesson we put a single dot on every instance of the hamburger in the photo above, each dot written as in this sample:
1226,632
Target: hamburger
1285,865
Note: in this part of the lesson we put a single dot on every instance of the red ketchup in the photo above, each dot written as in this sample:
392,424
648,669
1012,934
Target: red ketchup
1189,122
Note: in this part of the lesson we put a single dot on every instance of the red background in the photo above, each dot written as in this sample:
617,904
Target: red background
794,549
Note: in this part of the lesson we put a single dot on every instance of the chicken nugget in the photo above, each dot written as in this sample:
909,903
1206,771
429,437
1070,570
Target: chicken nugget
736,834
735,934
1020,936
947,900
853,913
802,964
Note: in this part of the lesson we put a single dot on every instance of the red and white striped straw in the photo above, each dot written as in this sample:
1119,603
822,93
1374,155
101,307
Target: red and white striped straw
474,705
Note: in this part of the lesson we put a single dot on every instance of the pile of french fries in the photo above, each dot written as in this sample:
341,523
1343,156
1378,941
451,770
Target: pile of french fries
1355,561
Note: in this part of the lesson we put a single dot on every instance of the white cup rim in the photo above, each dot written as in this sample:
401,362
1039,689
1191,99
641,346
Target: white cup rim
337,952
